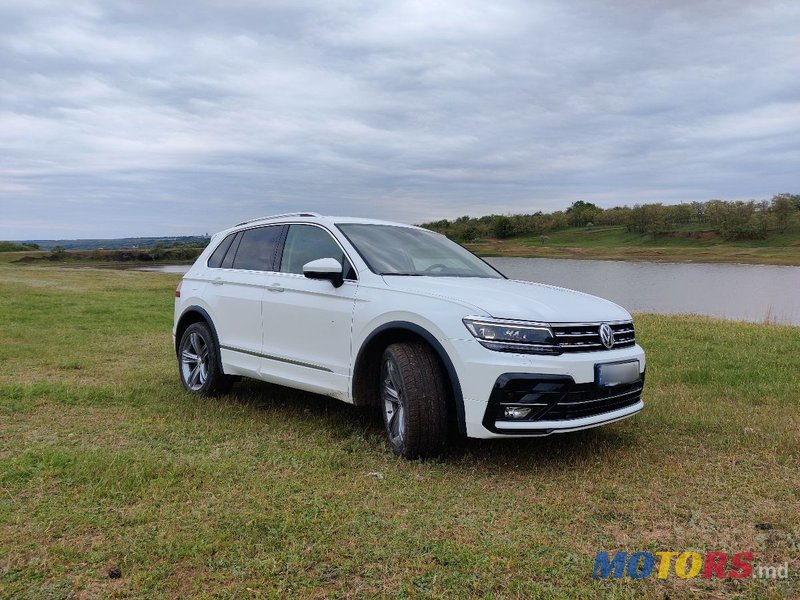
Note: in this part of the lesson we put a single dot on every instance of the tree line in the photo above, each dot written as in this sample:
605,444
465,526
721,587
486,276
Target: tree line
732,220
16,247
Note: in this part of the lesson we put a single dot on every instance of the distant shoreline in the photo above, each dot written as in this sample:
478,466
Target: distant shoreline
786,256
780,257
127,257
576,247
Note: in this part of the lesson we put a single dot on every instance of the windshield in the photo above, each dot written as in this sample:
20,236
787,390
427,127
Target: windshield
394,250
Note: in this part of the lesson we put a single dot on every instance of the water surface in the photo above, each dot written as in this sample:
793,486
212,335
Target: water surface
166,268
757,293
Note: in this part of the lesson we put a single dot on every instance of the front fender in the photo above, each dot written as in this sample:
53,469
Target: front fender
434,342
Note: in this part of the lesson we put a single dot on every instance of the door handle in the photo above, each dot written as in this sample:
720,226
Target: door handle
217,281
275,287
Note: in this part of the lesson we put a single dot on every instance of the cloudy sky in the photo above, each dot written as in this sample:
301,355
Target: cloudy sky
182,117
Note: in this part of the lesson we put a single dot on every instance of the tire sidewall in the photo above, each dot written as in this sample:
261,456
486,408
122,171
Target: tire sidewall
422,397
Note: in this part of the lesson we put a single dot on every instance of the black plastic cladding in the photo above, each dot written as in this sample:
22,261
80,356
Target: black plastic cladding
556,398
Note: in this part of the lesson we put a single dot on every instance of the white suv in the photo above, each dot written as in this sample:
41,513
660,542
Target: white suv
389,315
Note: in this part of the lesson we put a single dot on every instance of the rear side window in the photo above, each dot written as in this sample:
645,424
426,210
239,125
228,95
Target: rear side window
305,243
215,262
257,249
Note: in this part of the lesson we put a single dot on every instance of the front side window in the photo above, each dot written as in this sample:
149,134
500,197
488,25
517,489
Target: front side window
256,251
394,250
305,243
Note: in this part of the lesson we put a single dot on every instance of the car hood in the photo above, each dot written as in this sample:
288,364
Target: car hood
512,299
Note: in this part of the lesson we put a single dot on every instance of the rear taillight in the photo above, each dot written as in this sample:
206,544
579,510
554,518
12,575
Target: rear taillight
178,289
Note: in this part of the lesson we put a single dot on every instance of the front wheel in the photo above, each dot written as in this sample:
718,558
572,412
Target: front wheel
198,362
413,400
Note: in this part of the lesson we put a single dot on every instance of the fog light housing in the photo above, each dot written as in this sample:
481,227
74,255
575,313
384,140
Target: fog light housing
516,412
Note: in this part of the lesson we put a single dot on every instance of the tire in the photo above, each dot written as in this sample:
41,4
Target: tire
413,400
199,364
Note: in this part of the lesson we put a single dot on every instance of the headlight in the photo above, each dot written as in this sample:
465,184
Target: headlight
513,336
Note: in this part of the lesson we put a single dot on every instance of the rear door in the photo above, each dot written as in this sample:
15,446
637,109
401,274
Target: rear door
307,322
238,281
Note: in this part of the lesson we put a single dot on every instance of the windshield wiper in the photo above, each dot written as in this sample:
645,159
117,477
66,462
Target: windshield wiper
404,274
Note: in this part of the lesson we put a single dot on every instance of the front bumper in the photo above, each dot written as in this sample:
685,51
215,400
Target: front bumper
560,390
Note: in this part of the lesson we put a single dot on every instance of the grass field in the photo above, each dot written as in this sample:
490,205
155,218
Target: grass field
105,463
615,243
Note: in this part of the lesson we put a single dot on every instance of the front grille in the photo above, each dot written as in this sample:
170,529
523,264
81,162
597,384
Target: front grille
588,399
556,398
585,337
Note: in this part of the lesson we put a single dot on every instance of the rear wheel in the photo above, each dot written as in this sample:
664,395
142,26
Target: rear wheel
413,400
198,362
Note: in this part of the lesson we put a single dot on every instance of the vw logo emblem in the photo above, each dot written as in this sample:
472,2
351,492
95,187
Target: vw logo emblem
606,335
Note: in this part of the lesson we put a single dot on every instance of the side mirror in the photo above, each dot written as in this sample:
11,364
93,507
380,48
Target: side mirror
325,268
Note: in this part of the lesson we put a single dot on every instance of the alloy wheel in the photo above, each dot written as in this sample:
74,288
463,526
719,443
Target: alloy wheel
392,395
194,361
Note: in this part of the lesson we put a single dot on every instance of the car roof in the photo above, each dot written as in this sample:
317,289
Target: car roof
303,217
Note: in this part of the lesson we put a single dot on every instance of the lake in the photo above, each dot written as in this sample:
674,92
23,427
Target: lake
166,269
757,293
743,292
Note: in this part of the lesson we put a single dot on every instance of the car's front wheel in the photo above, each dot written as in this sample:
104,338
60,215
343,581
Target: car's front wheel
413,400
198,362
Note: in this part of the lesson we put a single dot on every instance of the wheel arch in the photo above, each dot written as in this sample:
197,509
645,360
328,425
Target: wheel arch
365,369
191,315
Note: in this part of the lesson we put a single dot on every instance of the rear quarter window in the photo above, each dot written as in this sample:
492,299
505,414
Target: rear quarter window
215,261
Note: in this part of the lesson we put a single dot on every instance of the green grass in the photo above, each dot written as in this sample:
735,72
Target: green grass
106,463
615,243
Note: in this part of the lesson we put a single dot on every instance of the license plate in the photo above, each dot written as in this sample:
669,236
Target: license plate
610,374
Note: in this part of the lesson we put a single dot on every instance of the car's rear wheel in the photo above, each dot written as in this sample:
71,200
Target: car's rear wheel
198,362
413,400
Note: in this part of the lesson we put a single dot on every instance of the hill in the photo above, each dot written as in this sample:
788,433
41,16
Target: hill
713,231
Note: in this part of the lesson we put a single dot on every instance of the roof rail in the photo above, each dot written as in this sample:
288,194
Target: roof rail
291,214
